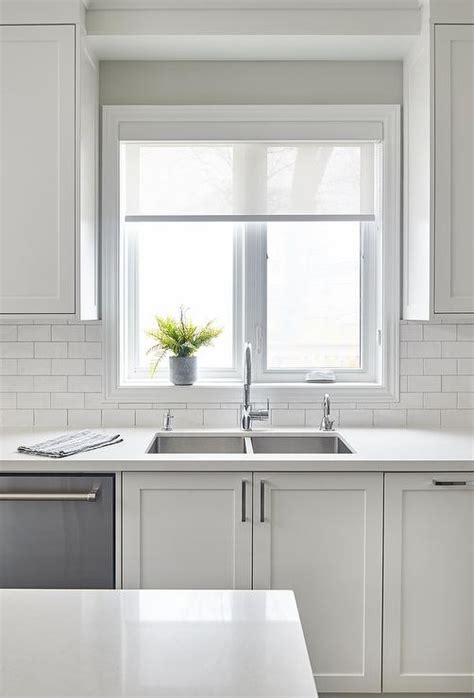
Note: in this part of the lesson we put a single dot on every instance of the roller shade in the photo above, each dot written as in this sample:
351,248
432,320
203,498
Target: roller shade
246,180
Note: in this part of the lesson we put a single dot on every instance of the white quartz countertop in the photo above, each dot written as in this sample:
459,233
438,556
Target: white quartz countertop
152,643
374,450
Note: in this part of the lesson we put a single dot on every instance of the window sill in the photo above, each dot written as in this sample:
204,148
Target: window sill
276,392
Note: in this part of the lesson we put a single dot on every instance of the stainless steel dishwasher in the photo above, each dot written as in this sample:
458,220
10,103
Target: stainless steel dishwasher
57,531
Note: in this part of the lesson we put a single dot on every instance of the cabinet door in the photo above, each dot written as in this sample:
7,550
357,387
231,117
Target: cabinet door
454,168
187,530
429,583
320,534
37,169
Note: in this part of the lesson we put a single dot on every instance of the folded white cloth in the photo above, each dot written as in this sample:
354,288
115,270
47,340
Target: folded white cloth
68,444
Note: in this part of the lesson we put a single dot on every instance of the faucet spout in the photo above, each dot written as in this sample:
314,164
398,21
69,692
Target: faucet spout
247,413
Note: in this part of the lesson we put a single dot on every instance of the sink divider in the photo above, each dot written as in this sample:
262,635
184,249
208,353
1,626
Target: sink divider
248,446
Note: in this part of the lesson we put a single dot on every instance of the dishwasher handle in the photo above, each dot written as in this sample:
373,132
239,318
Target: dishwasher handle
90,496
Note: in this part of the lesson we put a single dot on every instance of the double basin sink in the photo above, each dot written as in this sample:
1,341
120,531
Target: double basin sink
254,443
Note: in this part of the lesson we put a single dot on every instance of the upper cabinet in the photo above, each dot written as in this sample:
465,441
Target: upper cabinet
454,169
48,165
439,172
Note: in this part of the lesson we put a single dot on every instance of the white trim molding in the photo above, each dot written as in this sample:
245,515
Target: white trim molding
316,122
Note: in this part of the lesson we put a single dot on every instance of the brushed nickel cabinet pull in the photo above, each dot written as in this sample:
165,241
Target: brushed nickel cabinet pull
262,501
452,483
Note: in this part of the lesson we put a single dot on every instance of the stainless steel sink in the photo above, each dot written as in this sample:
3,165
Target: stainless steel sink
175,443
249,444
319,443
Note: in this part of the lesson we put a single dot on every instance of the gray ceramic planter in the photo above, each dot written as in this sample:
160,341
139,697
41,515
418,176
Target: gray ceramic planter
183,370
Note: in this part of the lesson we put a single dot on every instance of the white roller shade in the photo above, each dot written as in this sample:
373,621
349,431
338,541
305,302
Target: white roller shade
246,180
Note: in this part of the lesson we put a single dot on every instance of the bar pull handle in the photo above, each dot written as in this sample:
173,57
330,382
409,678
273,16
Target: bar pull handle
50,496
262,501
244,501
452,483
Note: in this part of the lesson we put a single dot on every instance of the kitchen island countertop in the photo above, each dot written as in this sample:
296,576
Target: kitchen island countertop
60,643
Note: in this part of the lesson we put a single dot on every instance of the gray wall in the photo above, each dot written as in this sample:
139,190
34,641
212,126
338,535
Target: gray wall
251,82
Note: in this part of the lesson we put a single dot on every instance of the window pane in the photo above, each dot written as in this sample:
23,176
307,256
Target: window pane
313,287
189,265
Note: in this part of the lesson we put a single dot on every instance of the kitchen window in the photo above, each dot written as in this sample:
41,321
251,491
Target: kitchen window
280,241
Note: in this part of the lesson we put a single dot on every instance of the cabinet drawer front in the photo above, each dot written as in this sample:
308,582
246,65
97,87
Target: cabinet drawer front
320,534
454,168
429,582
37,169
187,530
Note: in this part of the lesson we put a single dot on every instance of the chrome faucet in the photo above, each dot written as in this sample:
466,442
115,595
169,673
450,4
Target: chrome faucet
167,421
327,424
248,415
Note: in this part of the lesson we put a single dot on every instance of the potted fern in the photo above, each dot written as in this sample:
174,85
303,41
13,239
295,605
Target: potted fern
181,338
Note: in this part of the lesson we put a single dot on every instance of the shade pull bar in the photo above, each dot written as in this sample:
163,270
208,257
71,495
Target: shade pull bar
274,218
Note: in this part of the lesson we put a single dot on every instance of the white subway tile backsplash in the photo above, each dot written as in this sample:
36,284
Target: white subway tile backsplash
465,366
8,367
440,400
16,384
16,350
8,333
51,375
68,367
221,418
16,418
50,350
149,418
118,418
34,367
460,384
411,333
356,418
423,418
408,401
85,350
465,333
84,418
52,384
458,350
50,418
411,367
424,384
389,418
67,400
439,332
84,384
95,401
457,418
466,401
34,333
94,367
187,419
8,400
34,400
288,418
68,333
438,367
93,333
423,350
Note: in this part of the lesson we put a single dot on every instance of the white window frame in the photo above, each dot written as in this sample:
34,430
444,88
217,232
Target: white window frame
359,120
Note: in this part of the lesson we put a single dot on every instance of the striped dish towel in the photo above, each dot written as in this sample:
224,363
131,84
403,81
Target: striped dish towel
68,444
